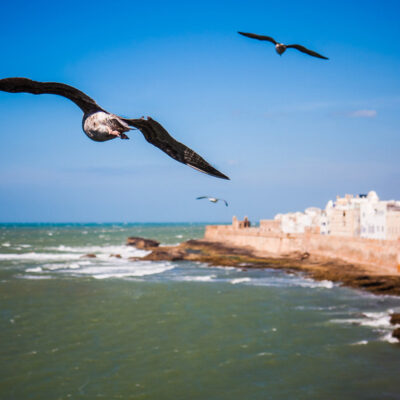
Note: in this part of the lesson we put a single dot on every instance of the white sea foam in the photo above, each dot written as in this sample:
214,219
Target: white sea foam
85,262
204,278
127,270
305,282
115,268
326,284
361,342
289,281
388,338
39,256
56,266
36,269
6,244
35,277
100,251
239,280
73,265
69,253
379,321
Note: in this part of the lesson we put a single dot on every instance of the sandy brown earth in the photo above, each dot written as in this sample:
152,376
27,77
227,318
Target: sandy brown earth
212,253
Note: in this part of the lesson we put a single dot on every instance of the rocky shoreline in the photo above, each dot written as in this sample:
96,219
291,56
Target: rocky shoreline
217,254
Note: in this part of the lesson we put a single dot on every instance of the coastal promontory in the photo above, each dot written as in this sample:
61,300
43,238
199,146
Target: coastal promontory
217,254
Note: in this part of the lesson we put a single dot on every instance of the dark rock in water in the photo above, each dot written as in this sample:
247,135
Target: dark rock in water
90,255
396,334
170,254
116,255
395,319
142,243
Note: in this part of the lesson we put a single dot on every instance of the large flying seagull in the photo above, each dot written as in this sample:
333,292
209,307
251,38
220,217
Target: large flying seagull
281,48
100,125
212,199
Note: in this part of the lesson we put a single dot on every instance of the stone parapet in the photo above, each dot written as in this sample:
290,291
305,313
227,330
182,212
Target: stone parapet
384,255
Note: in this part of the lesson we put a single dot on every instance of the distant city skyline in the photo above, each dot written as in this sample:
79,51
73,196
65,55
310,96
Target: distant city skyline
362,215
291,132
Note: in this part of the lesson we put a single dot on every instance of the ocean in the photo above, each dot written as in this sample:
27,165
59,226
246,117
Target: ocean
106,327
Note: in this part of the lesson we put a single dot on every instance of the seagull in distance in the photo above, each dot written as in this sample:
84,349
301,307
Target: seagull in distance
281,48
100,125
212,199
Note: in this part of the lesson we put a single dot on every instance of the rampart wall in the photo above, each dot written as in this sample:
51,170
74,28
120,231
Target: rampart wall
382,254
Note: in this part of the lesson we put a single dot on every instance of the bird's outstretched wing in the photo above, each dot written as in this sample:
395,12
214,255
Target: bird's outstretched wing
201,197
24,85
226,203
259,37
155,134
305,50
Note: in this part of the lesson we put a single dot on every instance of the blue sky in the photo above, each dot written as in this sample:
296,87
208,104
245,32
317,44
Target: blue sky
290,131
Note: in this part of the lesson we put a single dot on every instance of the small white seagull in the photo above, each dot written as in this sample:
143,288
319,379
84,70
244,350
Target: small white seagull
212,199
281,48
100,125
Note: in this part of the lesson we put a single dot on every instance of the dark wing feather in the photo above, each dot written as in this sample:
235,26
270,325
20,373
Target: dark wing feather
226,203
258,37
24,85
305,50
201,197
155,134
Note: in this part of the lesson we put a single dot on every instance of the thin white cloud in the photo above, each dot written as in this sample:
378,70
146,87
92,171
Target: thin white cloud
363,114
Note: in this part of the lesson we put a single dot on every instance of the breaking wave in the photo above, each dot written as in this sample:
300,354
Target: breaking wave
378,321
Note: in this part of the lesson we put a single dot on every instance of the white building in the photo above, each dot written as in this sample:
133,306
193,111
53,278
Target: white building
364,215
298,222
373,217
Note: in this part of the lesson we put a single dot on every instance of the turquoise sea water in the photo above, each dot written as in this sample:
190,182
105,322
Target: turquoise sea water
106,327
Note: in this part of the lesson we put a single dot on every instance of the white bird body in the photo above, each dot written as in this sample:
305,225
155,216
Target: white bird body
101,126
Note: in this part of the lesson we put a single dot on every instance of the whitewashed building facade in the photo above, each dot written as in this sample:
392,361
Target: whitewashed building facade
353,216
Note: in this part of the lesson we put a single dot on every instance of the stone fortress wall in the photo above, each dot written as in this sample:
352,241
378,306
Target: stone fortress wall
384,255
